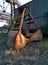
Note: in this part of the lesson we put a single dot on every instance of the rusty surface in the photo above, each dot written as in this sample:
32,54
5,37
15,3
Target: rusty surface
20,40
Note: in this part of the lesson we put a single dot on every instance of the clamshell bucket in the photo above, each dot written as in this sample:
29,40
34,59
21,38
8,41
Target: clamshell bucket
17,38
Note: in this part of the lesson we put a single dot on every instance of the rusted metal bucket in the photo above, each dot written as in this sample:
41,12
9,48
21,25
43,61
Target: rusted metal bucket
16,38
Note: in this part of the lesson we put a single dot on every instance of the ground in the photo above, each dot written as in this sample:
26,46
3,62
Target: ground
34,53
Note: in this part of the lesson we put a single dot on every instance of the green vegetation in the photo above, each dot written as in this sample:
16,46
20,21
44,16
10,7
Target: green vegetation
3,37
45,30
45,27
34,53
44,42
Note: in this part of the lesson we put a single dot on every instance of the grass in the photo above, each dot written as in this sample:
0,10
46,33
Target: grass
44,42
35,53
3,37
